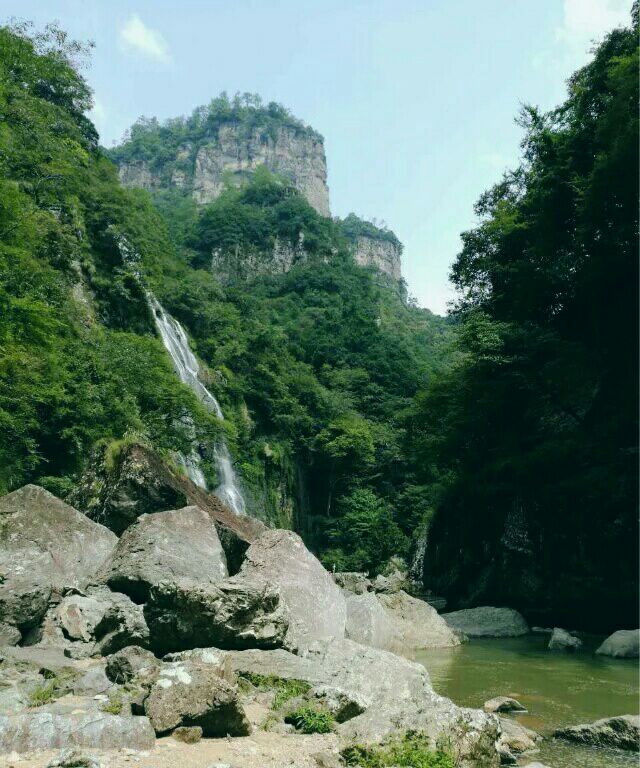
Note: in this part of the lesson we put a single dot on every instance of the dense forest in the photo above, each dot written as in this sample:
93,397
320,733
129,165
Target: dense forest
506,434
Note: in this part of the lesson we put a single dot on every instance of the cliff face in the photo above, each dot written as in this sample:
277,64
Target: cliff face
233,152
385,255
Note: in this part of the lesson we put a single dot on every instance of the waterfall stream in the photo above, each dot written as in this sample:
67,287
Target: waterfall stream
187,367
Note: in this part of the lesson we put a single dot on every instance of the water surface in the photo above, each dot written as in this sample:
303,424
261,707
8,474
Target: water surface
557,689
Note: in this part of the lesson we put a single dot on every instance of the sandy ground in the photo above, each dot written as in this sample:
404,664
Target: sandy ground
262,749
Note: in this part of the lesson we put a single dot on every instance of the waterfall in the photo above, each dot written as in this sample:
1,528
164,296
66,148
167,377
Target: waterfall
187,367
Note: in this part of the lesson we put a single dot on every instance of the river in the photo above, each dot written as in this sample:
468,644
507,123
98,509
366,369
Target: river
557,689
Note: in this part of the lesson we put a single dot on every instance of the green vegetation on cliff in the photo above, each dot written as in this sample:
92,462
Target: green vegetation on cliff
530,441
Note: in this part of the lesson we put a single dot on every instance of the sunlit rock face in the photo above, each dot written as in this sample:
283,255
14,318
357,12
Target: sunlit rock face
232,153
384,255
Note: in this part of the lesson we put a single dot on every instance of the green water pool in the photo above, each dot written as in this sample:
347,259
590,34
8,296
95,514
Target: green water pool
557,689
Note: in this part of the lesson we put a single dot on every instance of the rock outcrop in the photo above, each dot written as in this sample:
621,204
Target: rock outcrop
165,546
234,613
621,732
486,621
623,644
314,604
390,692
140,482
189,693
232,153
45,546
385,255
369,624
417,623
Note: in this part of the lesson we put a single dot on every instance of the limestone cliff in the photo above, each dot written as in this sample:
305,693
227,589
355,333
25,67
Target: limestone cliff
373,245
231,152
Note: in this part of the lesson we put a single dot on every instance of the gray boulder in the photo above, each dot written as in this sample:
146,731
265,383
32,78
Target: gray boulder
561,640
369,624
315,605
503,704
45,545
189,694
516,738
126,664
487,621
621,732
165,546
623,644
97,621
9,635
234,613
353,581
98,730
417,623
390,692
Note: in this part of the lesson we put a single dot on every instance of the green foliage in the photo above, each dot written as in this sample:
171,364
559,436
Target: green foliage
78,361
409,751
353,227
172,145
311,719
285,689
45,693
532,433
114,705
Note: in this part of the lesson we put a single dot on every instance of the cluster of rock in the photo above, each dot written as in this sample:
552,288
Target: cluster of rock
111,641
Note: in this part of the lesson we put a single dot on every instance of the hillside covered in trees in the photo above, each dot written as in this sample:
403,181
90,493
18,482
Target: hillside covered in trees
506,434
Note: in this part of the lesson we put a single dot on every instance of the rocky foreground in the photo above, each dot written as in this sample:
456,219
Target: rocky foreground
193,638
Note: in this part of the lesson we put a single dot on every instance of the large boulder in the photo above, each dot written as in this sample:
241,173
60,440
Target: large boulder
234,613
417,623
503,704
369,624
561,640
621,732
95,621
165,546
45,546
117,489
353,581
487,621
314,603
30,731
386,692
130,662
189,693
623,644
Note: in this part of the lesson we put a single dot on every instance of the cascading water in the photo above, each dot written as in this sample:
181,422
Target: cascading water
187,367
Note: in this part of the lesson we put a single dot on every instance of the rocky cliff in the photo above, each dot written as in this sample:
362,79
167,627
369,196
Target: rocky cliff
385,255
231,152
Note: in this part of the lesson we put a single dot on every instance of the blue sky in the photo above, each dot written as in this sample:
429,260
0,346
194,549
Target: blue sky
416,99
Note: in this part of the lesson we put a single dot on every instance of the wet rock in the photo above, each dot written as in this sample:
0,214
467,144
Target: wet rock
234,613
487,621
353,581
314,603
188,694
621,732
45,546
44,730
126,664
561,640
165,546
623,644
503,704
417,623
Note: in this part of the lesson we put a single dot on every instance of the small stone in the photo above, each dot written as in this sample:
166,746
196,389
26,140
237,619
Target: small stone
73,758
188,735
503,704
561,640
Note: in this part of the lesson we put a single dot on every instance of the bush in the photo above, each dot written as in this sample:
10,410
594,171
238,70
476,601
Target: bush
310,719
410,751
284,689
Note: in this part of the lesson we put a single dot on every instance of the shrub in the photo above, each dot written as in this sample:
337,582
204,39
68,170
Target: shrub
412,750
284,689
310,719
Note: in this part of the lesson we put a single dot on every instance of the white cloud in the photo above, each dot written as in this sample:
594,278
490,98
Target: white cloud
587,20
137,37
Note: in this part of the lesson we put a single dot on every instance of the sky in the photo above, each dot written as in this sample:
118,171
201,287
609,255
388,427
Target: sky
416,99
